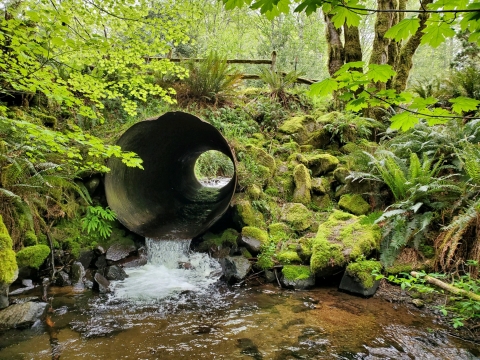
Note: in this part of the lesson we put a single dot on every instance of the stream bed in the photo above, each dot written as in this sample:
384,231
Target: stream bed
166,311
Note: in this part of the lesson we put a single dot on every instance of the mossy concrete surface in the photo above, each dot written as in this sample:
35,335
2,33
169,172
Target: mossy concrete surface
341,239
297,216
354,204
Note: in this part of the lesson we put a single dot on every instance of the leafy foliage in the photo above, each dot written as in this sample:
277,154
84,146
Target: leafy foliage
98,220
212,164
278,83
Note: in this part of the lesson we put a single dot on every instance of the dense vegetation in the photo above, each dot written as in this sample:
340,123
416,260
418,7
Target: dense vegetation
74,74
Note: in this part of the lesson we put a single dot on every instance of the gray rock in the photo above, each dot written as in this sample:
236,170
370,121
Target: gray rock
136,260
101,262
115,272
22,315
351,285
270,276
103,284
4,295
119,251
253,245
77,275
62,279
86,258
21,290
235,268
27,282
302,284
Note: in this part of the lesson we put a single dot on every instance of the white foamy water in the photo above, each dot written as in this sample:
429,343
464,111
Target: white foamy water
163,275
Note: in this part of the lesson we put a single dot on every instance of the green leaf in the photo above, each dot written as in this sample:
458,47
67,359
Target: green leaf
421,103
343,15
436,33
323,88
404,121
403,29
357,104
380,73
461,104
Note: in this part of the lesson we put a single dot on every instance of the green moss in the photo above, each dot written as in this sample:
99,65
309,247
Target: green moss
303,184
296,272
428,251
340,174
246,214
349,148
262,158
294,124
399,268
246,253
254,192
323,202
288,257
265,262
30,238
8,263
362,271
319,139
229,236
297,216
306,148
322,163
32,256
354,204
340,239
256,233
278,232
271,191
318,186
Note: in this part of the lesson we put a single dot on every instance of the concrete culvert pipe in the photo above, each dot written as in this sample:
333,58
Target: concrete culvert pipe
165,200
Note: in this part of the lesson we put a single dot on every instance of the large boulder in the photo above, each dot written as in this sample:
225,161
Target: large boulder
340,240
300,128
297,216
32,256
235,268
297,277
262,158
22,315
115,272
245,215
303,185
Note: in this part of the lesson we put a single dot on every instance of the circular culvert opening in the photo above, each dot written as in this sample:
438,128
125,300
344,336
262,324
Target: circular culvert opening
214,169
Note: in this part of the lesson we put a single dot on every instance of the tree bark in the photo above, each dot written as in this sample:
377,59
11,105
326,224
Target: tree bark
404,62
385,20
395,46
336,51
352,46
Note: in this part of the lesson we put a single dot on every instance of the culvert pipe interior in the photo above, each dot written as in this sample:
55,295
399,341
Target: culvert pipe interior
165,200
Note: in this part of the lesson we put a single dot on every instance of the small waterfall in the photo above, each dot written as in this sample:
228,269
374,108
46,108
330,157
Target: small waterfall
171,269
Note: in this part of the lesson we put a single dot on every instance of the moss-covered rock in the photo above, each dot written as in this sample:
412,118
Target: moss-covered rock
254,192
262,158
306,148
8,263
322,163
297,277
362,271
279,232
318,186
227,238
349,148
32,256
340,174
295,124
256,233
303,185
30,238
319,139
285,184
288,257
297,216
322,202
342,239
354,204
245,214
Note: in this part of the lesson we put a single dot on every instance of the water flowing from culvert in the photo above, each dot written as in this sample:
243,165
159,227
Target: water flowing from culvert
171,270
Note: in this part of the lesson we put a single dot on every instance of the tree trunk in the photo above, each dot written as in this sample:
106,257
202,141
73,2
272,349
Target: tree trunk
336,52
395,46
385,21
404,62
352,46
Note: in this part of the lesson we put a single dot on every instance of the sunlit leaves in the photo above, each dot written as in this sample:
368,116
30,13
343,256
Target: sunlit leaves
380,72
404,121
324,87
403,29
461,104
436,32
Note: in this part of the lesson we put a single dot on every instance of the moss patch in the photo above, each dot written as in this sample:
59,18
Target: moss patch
362,271
246,214
303,184
288,257
278,232
354,204
8,263
322,163
296,272
297,216
262,158
342,238
32,256
256,233
294,124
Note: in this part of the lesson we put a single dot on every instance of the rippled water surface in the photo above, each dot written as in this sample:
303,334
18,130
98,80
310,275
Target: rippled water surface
162,312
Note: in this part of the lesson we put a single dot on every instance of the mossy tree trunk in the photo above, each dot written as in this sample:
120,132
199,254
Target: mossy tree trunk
395,46
336,51
404,61
352,46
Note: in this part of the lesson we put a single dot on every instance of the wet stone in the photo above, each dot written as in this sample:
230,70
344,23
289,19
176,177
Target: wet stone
119,251
235,268
103,283
135,260
86,258
62,279
22,315
77,272
249,348
115,272
351,285
3,295
101,262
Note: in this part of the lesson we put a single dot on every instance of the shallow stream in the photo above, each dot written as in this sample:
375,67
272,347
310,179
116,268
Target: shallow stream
165,312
